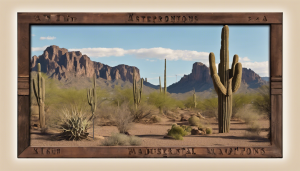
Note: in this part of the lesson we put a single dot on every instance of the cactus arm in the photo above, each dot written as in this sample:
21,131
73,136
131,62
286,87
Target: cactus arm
237,78
214,75
219,84
35,90
234,62
43,89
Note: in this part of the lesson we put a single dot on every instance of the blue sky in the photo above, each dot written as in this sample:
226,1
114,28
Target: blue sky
146,47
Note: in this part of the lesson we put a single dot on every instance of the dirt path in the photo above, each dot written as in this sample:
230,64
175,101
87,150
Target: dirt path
152,135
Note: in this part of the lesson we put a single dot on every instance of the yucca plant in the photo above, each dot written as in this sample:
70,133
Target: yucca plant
74,124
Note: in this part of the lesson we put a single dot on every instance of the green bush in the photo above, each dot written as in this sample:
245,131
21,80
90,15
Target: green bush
177,132
194,121
209,107
239,101
74,124
262,100
208,130
163,102
155,119
117,139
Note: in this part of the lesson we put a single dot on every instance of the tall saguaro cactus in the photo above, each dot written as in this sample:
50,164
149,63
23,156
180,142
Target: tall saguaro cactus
39,92
92,100
226,82
165,77
137,93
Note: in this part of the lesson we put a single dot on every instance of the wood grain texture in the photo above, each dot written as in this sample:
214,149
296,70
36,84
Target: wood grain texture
23,123
276,50
151,152
276,85
276,121
150,18
27,19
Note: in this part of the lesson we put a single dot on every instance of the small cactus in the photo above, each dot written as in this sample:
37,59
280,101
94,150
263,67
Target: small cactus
137,93
226,82
39,92
92,100
194,99
165,77
160,89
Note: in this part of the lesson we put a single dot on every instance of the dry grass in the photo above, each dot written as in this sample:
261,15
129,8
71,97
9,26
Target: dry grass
117,139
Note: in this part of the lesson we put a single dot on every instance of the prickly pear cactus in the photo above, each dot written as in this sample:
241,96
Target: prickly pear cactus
226,82
39,92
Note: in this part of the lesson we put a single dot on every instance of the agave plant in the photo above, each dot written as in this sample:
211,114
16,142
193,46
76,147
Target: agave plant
74,124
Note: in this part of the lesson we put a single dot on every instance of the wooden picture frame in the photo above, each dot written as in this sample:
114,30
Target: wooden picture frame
25,20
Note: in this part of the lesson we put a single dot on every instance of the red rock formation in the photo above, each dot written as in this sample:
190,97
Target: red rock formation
59,63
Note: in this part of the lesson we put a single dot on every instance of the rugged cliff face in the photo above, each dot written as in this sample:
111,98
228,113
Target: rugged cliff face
59,63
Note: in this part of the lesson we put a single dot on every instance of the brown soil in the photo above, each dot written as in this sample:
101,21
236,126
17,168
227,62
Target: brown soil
152,135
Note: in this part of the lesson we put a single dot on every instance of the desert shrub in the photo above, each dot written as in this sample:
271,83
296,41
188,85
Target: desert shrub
262,100
134,141
74,124
121,139
209,107
239,101
163,102
177,131
155,119
194,121
248,115
254,128
122,118
208,130
122,95
143,111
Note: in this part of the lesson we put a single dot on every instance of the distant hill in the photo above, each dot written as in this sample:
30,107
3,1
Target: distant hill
72,69
266,78
200,80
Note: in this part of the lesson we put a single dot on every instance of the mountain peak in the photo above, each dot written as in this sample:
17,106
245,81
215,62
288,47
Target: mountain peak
59,63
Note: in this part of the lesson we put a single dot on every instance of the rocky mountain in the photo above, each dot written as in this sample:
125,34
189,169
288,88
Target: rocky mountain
200,80
61,64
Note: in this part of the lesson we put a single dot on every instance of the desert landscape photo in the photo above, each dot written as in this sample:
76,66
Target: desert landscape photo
149,86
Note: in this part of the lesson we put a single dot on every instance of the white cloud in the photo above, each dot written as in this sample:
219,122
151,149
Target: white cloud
245,59
47,38
153,78
157,53
32,35
33,49
101,52
261,68
150,60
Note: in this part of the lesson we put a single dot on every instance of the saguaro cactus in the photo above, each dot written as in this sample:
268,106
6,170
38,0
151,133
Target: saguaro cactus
194,99
165,77
160,89
227,82
92,100
39,92
137,93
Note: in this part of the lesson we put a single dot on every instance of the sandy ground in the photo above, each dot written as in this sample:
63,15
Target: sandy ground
152,135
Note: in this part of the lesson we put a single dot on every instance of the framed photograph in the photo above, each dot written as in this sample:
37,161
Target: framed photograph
150,85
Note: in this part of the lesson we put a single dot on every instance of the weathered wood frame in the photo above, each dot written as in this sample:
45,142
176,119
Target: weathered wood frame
25,20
